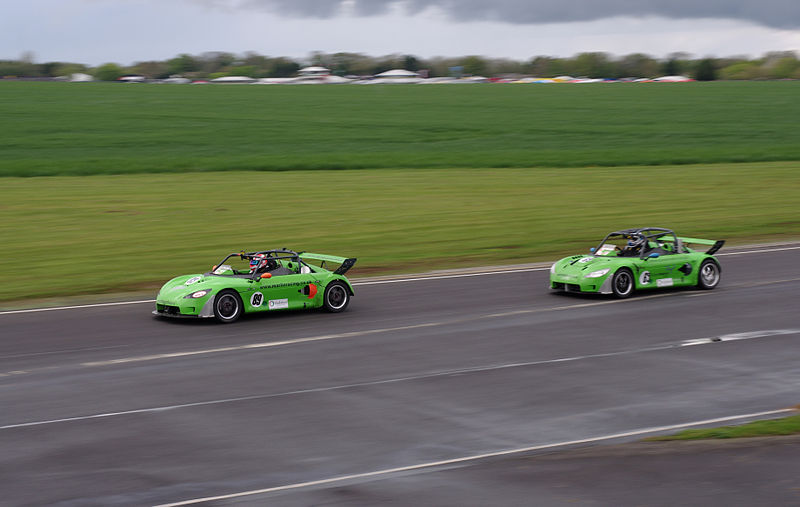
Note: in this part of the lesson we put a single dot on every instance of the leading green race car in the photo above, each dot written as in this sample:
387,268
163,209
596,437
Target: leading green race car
274,280
641,258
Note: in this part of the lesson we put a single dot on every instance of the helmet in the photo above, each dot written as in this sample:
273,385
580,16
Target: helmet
635,241
258,262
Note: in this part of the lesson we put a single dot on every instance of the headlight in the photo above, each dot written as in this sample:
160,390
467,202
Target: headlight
553,269
198,294
598,273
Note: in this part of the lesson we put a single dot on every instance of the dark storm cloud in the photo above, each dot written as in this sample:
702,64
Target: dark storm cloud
772,13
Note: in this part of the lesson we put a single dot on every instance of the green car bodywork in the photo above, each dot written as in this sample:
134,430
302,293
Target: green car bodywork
636,259
294,280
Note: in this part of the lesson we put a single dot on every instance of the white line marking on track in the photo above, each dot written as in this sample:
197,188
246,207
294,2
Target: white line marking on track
476,457
408,378
746,252
95,305
739,336
376,282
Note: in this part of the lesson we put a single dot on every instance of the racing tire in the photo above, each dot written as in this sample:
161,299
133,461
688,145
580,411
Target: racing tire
228,306
709,275
622,283
336,298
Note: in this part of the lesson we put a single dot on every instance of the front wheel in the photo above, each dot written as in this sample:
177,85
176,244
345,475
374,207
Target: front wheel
622,283
337,297
227,306
709,275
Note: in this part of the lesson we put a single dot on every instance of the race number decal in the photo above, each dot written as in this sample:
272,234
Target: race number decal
644,278
256,299
278,304
665,282
193,279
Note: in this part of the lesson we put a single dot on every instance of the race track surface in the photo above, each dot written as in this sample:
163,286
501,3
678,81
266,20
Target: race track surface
447,391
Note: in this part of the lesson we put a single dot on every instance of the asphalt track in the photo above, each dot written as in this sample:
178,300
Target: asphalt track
458,390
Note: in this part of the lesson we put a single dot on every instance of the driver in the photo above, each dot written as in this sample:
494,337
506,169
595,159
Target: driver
260,263
634,246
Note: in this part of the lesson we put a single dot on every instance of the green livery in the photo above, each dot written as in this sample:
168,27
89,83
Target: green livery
638,259
274,280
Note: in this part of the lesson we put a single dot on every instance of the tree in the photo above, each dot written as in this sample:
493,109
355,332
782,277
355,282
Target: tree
68,69
784,68
741,70
214,61
594,65
182,64
151,69
637,65
108,72
411,63
244,70
282,67
706,70
474,65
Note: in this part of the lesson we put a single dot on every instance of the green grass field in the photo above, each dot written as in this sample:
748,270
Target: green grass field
67,235
111,128
429,177
770,427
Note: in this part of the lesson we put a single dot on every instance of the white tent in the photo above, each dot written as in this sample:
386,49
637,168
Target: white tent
397,73
672,79
313,71
80,77
233,79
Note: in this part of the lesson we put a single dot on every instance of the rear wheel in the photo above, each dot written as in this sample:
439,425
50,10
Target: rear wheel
709,275
622,283
337,297
228,306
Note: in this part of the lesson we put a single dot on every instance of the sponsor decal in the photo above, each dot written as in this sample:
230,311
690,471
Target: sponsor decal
586,259
289,284
256,299
644,278
193,279
278,304
605,249
664,282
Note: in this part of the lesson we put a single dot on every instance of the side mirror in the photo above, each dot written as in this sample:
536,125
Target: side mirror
592,249
653,255
266,275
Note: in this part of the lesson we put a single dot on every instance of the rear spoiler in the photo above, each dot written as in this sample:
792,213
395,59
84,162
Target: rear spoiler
715,245
346,263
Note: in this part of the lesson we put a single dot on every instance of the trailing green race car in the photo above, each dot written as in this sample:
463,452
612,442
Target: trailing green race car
642,258
268,280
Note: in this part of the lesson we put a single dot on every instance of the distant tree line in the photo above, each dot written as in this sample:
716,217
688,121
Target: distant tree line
773,65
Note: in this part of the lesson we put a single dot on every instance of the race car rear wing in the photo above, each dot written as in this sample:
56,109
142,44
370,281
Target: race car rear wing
346,263
715,245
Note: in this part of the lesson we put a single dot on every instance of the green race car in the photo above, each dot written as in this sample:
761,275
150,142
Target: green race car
260,281
641,258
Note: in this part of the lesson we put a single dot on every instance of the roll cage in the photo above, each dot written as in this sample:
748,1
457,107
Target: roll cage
298,258
658,240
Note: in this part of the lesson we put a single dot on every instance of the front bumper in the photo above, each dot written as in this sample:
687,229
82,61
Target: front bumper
601,285
185,308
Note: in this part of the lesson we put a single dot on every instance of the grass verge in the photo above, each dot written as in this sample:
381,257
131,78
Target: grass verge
65,236
113,128
772,427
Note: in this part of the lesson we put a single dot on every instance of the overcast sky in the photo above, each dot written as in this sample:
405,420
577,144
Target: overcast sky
126,31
